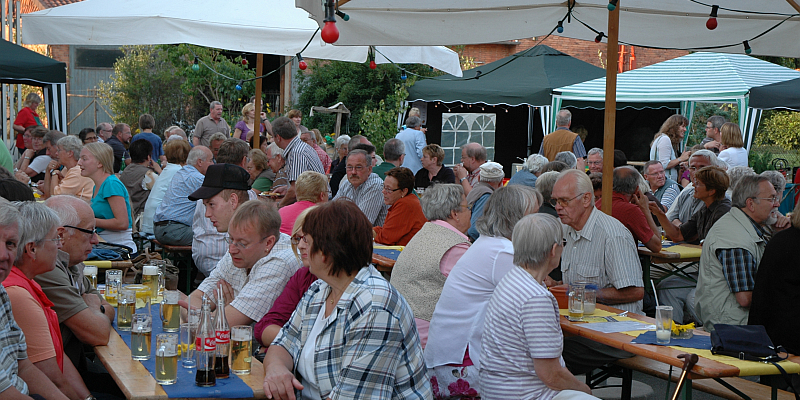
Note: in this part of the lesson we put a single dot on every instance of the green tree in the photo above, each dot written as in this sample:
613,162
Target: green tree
381,121
779,128
701,113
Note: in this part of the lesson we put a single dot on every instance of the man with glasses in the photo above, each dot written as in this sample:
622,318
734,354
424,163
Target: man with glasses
85,317
731,253
363,187
664,189
594,158
713,136
104,132
299,156
259,261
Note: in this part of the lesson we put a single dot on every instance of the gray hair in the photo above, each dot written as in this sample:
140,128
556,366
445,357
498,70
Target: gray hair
534,236
214,104
595,150
535,162
53,137
35,222
103,125
342,140
545,184
644,185
777,180
708,154
73,144
582,182
354,141
567,157
9,214
442,200
746,188
66,207
477,152
196,154
736,173
505,207
626,180
646,167
217,136
563,118
275,150
178,132
413,122
393,149
716,121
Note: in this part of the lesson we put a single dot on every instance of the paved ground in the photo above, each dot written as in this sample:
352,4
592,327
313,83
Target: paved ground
658,386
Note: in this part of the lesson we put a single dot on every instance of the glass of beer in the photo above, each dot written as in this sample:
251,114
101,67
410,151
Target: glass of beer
153,279
241,349
113,283
577,292
90,271
171,311
141,336
187,344
125,309
166,358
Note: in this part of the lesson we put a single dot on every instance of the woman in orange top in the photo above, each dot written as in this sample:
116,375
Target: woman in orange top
405,217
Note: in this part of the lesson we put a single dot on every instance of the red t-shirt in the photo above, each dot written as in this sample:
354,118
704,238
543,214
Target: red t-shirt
25,118
631,216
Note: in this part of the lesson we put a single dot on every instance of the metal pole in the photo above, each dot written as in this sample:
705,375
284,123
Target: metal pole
257,115
612,54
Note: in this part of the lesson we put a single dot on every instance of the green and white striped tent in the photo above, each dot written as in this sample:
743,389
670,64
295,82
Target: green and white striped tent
682,82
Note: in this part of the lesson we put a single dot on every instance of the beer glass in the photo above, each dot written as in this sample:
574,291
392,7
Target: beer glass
141,335
576,294
589,297
153,278
90,271
171,311
241,342
125,310
663,324
113,284
166,358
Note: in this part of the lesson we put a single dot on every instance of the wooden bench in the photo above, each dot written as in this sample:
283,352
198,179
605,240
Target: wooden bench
660,370
180,256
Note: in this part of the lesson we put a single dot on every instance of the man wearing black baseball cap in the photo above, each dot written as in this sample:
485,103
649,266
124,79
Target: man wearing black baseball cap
259,260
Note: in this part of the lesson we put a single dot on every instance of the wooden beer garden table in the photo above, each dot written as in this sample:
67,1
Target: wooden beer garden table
674,255
136,382
706,368
384,257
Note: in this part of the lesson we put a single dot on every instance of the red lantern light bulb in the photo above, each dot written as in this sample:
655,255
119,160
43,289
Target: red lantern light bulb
302,65
330,33
372,65
244,61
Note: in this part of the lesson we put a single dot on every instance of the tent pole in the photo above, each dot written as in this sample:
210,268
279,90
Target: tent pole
257,115
794,4
612,53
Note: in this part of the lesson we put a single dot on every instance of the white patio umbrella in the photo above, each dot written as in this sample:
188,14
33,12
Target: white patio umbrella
254,26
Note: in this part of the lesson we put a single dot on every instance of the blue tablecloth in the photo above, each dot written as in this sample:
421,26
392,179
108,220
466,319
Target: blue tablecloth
230,388
393,254
694,342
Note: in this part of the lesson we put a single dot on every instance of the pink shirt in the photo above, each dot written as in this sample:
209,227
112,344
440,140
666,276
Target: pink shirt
289,214
446,265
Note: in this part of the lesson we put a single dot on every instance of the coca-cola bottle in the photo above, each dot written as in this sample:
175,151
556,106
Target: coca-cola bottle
205,347
223,339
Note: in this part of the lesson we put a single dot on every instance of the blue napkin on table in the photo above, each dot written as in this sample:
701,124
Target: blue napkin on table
393,254
695,342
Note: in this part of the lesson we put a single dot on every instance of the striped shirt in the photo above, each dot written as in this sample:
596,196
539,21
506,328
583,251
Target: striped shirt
522,323
254,293
368,196
603,253
370,350
12,347
685,205
208,245
300,158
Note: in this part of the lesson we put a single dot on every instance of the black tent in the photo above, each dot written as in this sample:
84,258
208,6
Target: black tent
19,65
777,95
516,89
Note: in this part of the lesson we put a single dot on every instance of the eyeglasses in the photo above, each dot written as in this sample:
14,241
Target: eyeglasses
57,240
595,163
564,202
390,190
239,244
297,238
86,231
358,168
772,199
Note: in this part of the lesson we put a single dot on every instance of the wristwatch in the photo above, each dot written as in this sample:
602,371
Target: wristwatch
462,179
54,172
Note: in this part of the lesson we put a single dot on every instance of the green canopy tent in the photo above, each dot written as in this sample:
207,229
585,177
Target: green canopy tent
19,65
781,95
520,84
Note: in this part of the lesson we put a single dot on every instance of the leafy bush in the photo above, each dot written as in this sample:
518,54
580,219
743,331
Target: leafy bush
780,128
701,113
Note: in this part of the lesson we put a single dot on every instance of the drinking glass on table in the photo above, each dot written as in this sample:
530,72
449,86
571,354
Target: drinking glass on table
113,284
241,349
663,324
90,271
576,294
153,278
141,336
589,297
171,311
125,309
166,358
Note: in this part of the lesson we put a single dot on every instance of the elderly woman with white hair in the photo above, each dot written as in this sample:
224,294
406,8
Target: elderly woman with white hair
454,340
421,269
567,157
491,178
69,179
530,172
40,239
522,339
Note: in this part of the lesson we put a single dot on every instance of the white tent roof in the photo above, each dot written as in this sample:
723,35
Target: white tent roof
662,23
701,77
255,26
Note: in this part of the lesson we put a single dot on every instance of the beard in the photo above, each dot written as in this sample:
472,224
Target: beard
773,218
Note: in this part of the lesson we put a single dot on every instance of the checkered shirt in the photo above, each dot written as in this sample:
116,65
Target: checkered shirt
12,347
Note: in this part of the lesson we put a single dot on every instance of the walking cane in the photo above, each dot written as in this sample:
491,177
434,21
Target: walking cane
689,360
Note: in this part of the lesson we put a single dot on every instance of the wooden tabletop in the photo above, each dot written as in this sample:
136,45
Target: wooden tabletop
667,256
705,368
382,264
136,382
